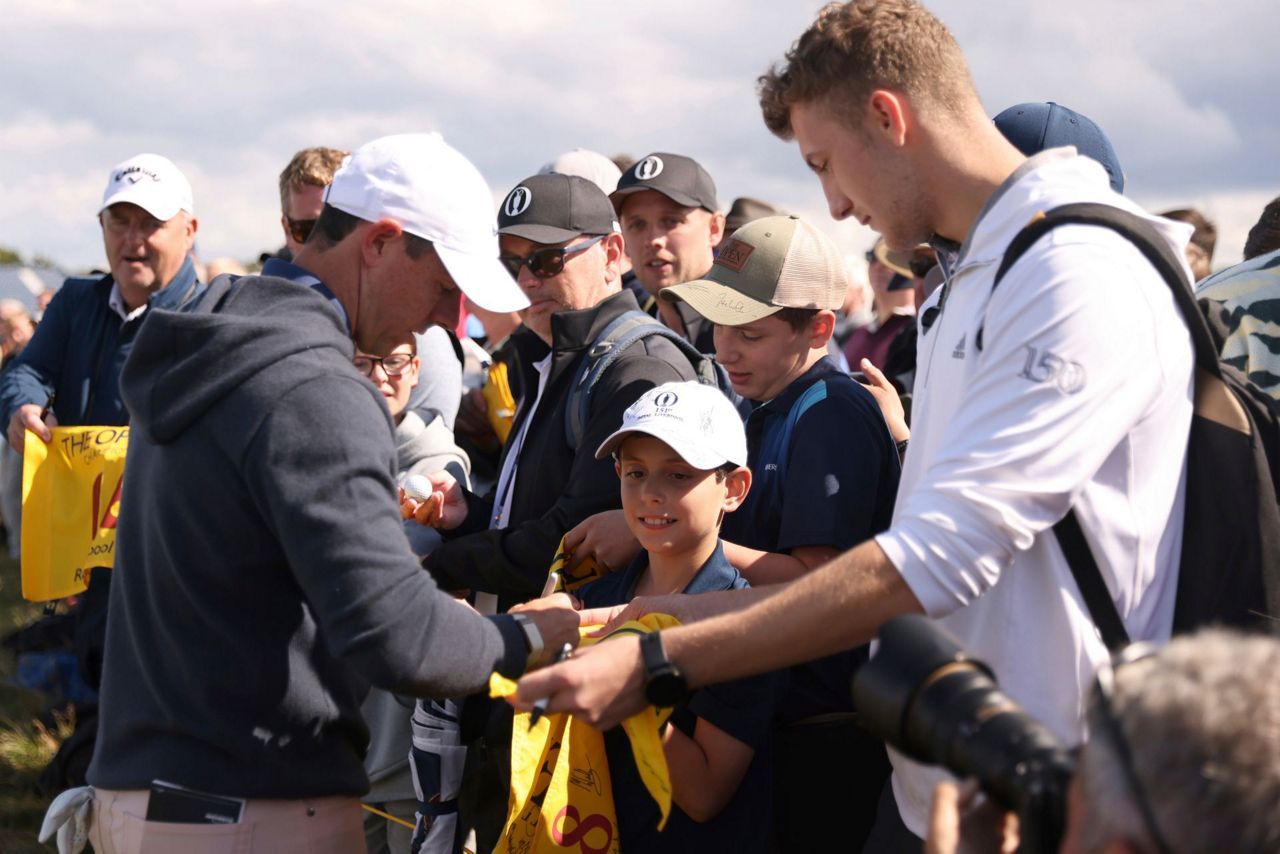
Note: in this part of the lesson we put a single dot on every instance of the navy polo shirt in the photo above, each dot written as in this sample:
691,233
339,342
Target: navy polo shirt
832,483
743,708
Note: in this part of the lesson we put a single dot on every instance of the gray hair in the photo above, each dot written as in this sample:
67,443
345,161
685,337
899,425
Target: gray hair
1202,722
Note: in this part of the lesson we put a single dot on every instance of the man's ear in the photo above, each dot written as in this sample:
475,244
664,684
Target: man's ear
613,251
193,226
376,238
737,484
821,327
888,114
617,466
717,229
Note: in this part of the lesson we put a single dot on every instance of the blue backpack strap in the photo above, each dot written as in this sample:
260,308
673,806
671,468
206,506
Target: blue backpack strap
778,442
610,344
612,340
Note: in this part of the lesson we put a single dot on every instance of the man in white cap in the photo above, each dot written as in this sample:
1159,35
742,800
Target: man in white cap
71,368
69,372
265,577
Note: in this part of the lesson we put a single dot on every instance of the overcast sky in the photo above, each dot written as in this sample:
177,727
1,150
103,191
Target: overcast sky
229,90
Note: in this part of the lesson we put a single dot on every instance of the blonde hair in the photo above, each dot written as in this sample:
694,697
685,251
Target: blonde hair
313,166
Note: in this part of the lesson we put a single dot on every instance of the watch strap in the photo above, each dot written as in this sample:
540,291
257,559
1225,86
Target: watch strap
532,636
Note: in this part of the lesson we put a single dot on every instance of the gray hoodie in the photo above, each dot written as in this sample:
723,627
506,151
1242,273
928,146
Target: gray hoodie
263,579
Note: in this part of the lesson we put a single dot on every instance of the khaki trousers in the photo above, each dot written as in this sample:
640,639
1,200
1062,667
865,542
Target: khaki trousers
316,826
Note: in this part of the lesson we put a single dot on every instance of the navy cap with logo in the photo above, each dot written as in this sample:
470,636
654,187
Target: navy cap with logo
679,178
1034,127
554,208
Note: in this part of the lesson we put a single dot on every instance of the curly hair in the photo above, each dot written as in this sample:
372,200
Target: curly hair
855,48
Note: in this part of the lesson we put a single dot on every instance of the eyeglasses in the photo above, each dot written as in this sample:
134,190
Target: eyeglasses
548,262
300,229
392,366
1105,691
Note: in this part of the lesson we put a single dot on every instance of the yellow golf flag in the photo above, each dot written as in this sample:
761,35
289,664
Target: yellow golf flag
70,502
561,792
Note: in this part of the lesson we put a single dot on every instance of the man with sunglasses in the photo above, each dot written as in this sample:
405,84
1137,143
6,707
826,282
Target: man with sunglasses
560,241
302,186
265,580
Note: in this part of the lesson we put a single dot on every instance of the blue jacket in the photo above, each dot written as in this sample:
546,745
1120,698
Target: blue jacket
79,348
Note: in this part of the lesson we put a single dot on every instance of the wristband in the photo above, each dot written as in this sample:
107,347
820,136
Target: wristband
532,637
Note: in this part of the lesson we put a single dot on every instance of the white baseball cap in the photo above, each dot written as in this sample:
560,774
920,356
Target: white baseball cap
152,183
696,420
436,193
584,163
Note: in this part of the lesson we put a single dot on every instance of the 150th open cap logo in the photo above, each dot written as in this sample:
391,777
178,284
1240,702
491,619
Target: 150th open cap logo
666,400
517,201
649,168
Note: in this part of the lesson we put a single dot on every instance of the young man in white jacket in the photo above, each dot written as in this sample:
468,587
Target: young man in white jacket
1080,396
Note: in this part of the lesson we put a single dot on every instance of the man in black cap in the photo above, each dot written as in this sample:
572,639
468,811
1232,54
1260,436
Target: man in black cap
672,224
559,238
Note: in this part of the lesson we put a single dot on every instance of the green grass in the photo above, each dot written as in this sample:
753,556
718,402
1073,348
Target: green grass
25,743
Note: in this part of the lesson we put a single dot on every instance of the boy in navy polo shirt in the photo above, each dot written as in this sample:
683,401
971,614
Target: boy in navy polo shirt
680,456
826,473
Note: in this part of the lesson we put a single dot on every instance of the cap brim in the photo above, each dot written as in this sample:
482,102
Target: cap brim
704,461
718,303
130,195
546,234
618,196
485,281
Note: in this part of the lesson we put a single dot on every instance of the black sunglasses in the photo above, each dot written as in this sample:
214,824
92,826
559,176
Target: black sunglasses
545,263
300,229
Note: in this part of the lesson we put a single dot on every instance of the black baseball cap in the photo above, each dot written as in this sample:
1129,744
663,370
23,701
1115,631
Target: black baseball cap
677,177
1033,127
554,208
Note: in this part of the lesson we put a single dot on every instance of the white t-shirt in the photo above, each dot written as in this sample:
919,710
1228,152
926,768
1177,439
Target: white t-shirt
1080,397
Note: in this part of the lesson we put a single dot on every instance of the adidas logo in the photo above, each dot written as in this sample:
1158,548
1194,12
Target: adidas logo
958,352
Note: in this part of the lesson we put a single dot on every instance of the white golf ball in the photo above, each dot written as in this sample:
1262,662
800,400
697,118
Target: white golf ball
417,487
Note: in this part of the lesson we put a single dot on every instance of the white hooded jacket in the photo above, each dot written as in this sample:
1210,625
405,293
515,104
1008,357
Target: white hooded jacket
1080,397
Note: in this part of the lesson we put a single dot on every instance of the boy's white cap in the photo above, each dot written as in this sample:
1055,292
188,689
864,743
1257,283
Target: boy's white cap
697,421
584,163
428,187
152,183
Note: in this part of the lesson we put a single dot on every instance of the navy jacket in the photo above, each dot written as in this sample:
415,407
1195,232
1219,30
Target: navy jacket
79,348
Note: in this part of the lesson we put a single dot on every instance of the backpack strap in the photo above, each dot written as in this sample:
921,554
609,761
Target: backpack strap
623,331
1144,236
779,442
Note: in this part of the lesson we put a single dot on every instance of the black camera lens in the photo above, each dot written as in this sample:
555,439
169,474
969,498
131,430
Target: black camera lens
928,699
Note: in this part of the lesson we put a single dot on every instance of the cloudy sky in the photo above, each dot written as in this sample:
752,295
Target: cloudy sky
229,90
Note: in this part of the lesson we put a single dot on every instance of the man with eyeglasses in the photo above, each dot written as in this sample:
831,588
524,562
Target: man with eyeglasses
265,579
560,241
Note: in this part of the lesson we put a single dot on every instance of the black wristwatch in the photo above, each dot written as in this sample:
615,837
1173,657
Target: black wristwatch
664,684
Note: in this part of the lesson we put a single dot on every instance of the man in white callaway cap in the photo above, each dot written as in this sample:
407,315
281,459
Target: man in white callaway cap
148,226
265,577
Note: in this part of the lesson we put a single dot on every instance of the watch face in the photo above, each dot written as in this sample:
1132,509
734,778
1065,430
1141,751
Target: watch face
666,689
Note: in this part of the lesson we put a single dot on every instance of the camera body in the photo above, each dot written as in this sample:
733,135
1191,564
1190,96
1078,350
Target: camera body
928,699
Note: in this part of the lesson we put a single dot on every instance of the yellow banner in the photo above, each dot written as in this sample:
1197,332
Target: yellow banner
70,502
561,793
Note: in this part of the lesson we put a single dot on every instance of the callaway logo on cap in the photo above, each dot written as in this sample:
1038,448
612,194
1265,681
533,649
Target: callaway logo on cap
152,183
679,178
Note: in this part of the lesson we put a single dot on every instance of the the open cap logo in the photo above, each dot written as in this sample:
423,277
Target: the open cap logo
666,400
649,168
518,201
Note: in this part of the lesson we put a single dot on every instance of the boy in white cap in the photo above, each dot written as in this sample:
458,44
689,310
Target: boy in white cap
269,581
680,456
